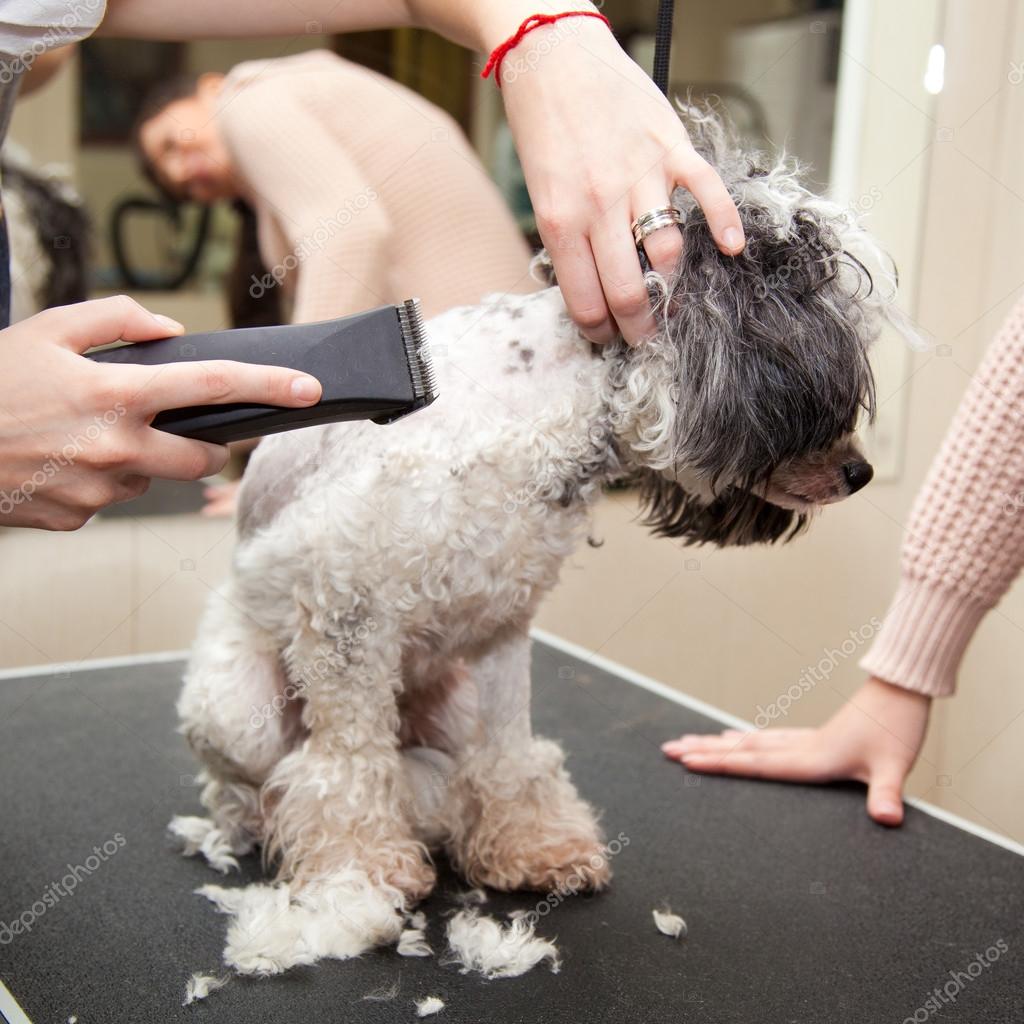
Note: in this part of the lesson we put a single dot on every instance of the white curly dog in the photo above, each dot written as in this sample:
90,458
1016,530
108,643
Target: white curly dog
359,692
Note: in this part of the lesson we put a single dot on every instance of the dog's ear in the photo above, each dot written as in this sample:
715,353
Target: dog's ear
771,355
734,518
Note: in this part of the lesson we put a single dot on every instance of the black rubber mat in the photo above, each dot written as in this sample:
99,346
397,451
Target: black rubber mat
799,908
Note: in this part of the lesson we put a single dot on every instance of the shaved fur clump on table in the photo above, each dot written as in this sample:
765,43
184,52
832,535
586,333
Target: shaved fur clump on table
480,943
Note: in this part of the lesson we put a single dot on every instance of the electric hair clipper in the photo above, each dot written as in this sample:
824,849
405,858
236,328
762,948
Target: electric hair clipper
373,366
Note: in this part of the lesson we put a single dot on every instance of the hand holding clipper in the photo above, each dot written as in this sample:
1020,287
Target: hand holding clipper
75,435
374,365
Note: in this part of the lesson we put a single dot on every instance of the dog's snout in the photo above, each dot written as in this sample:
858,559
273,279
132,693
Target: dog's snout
858,475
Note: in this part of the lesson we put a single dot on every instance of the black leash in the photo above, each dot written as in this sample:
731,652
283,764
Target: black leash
663,44
659,72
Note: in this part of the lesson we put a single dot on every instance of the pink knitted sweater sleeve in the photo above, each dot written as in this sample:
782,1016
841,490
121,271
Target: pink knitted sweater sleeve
964,544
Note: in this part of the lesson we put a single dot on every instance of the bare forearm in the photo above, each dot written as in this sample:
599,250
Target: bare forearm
478,24
200,19
43,68
483,24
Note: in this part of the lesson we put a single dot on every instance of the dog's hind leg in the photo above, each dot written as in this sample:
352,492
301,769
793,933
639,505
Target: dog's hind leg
340,801
237,717
517,820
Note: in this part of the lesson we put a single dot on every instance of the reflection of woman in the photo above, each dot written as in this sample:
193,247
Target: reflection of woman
963,548
600,147
363,192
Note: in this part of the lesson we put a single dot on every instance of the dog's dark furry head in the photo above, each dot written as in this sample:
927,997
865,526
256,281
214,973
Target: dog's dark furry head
739,416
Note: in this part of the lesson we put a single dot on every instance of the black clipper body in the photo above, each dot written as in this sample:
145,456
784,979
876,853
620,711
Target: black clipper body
374,365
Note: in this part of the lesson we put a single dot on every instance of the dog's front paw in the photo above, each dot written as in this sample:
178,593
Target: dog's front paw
410,873
398,865
327,814
573,864
527,828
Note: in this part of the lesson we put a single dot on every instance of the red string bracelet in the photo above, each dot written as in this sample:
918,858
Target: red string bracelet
532,22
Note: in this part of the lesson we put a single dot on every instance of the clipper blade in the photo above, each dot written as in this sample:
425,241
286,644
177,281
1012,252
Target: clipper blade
417,352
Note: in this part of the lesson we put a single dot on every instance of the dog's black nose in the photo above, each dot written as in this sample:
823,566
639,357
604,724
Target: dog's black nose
858,475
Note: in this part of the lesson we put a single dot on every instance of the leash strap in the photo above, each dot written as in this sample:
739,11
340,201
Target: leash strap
663,44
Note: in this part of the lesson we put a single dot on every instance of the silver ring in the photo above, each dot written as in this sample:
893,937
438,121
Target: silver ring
653,220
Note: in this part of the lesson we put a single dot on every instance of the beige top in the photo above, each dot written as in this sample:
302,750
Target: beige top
964,545
365,193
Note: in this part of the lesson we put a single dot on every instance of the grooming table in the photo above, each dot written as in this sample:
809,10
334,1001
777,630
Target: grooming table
799,908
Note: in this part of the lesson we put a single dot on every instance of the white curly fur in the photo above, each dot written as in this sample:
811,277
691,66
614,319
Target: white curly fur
359,691
199,986
669,924
276,927
200,835
429,1006
495,950
360,688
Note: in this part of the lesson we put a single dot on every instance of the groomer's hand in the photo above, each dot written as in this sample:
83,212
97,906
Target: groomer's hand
598,142
600,146
874,738
75,435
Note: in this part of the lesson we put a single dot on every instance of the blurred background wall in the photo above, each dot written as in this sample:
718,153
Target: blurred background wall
911,112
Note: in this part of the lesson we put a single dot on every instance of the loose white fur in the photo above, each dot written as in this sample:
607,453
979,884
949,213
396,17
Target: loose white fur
471,898
669,924
480,943
199,986
274,927
429,1006
201,835
413,943
383,995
